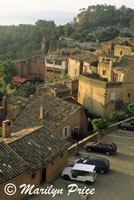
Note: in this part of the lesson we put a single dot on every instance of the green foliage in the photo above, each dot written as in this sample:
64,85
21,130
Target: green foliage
108,34
125,34
99,124
117,116
23,41
7,71
131,107
26,89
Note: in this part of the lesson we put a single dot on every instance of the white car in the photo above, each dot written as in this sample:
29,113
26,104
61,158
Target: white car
80,172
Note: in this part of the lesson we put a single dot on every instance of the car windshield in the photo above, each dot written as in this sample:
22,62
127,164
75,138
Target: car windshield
114,146
85,161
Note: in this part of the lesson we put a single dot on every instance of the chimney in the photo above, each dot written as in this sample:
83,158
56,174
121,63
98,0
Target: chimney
6,128
41,112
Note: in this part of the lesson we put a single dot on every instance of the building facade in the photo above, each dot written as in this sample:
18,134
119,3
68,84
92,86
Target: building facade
29,157
110,89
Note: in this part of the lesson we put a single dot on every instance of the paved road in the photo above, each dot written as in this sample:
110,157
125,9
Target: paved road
117,184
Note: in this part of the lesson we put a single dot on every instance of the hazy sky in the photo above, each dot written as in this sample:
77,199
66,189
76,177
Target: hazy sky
29,11
12,6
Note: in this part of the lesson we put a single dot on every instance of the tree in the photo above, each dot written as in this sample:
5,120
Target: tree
99,124
108,34
7,71
131,107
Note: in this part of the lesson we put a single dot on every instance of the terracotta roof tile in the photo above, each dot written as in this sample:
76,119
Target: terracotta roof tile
39,147
56,111
11,164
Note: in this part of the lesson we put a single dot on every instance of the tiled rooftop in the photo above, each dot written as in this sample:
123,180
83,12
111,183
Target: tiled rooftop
119,41
39,147
85,56
31,150
60,87
126,63
56,111
11,164
55,57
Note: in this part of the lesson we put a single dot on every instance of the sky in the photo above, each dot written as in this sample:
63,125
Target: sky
9,8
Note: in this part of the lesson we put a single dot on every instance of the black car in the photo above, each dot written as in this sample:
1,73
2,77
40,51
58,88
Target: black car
128,126
102,165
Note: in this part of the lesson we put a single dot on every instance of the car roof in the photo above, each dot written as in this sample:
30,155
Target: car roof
83,167
92,157
104,142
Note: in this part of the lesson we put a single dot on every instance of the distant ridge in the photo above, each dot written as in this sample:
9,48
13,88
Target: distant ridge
59,17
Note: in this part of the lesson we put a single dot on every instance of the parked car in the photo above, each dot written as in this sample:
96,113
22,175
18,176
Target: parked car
80,172
128,126
102,165
101,146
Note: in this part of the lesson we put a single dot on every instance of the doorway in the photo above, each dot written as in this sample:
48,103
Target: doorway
43,175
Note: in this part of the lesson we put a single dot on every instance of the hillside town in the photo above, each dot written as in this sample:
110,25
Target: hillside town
67,106
42,132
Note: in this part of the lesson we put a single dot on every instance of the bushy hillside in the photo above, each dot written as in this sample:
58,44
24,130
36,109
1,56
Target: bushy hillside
100,23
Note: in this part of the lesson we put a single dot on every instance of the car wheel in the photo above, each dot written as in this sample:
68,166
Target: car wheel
107,153
88,149
66,177
102,171
125,128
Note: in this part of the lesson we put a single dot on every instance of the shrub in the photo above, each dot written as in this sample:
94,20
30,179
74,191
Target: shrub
131,107
99,124
117,116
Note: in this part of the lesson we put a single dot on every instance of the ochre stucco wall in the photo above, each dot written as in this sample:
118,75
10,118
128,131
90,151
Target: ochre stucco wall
120,50
73,65
91,94
77,119
56,166
25,178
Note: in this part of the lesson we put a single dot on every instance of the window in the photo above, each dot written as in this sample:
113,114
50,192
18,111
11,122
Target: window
76,130
33,175
48,70
128,95
75,71
104,72
121,53
66,132
61,156
112,96
52,163
58,62
58,72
